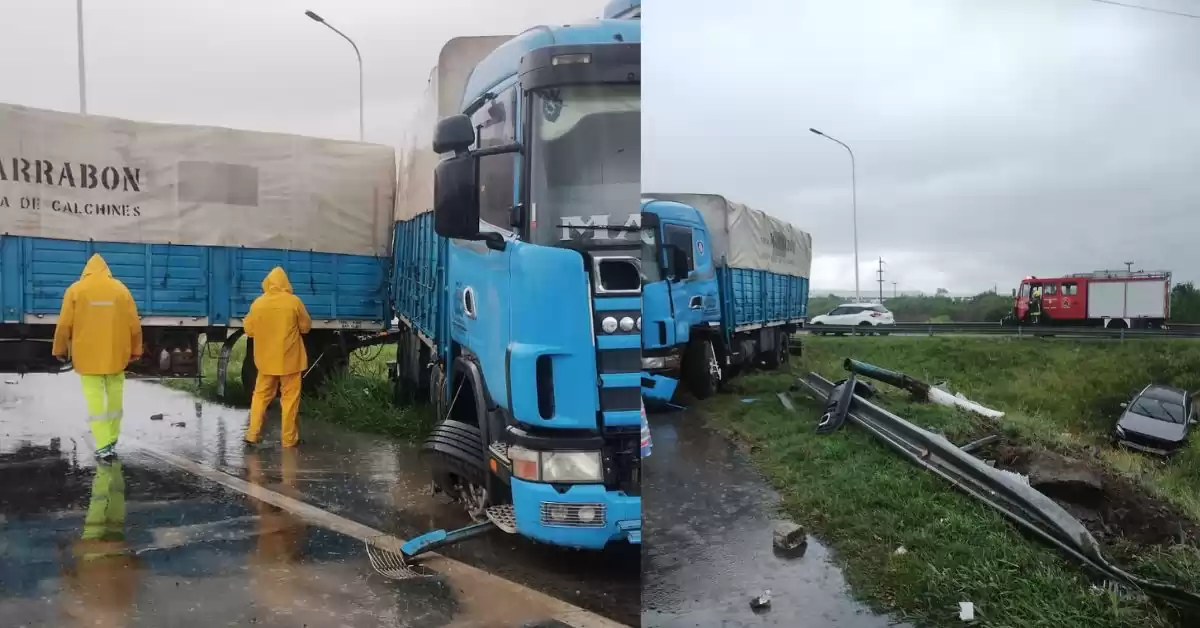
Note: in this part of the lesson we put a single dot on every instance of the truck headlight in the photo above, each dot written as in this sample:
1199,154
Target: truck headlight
609,325
626,324
639,323
654,363
556,466
575,466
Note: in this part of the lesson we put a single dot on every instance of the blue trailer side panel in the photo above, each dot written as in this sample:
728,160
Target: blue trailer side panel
185,281
759,297
332,286
418,268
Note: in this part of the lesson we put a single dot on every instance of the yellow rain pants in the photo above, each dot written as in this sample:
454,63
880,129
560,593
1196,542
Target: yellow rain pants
265,387
104,395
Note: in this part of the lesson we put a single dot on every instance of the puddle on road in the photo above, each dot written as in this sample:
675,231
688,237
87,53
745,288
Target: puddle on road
365,478
708,524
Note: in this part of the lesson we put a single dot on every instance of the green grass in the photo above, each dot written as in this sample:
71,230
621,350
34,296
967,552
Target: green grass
866,501
359,399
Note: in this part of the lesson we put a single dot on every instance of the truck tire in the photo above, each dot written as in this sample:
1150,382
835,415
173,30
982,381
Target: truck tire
701,368
778,355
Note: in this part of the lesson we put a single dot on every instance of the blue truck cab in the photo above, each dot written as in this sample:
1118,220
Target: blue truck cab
723,290
517,283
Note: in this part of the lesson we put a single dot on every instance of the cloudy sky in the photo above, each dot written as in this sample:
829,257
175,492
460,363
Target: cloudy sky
253,64
994,138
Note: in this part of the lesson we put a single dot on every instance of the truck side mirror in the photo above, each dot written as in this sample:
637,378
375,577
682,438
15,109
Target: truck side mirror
456,197
453,134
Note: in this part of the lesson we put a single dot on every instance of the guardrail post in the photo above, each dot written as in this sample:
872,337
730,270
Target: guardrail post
1020,331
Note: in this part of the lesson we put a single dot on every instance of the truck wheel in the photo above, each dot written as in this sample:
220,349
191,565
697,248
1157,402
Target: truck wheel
702,369
779,355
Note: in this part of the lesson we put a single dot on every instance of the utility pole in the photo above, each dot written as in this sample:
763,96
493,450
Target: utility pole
880,280
893,289
79,50
1129,267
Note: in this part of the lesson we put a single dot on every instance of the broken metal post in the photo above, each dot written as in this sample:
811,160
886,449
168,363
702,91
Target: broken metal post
917,387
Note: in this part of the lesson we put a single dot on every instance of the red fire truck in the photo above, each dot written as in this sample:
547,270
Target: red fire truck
1105,298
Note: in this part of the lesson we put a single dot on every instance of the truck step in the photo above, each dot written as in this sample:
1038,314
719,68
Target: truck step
504,517
500,451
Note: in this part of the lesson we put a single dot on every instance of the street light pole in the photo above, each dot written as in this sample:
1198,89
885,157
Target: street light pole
79,46
316,18
853,206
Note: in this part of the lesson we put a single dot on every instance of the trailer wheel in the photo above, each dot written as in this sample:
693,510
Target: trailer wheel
779,355
701,369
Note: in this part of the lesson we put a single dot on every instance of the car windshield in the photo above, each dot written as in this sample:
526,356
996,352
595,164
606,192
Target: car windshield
586,164
1160,409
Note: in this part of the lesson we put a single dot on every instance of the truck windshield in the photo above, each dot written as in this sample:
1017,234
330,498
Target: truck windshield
650,270
586,165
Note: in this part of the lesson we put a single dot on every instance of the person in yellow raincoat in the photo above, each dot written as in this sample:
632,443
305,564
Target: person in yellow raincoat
101,584
99,328
277,321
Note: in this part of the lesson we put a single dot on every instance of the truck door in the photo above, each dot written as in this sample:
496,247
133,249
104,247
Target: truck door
691,276
1021,307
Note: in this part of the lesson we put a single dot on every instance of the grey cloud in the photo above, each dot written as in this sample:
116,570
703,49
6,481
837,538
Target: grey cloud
1041,137
257,64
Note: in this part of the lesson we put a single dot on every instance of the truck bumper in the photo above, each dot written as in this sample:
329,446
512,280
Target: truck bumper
544,514
658,390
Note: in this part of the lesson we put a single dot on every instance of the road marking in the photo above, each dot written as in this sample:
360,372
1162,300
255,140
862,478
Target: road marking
464,576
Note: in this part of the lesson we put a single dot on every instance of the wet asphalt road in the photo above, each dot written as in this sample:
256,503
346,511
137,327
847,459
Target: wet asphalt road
362,478
707,538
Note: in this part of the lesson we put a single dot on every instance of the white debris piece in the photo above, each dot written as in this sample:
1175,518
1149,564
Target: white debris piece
1023,479
966,611
941,397
900,551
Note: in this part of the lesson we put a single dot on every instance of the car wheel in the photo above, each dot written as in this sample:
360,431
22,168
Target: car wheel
864,329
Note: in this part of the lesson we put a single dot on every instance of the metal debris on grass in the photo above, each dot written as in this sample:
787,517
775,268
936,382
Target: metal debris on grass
787,403
919,389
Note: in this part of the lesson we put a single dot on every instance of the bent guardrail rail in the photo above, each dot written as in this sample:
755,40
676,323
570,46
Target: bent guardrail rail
1020,503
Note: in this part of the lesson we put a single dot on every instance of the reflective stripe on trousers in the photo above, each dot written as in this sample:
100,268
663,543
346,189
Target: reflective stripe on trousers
105,402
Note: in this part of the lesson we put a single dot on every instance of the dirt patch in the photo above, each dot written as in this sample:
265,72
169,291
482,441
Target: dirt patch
1112,508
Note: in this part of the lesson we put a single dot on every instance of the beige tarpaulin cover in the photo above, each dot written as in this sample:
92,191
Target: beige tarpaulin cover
748,238
443,97
77,177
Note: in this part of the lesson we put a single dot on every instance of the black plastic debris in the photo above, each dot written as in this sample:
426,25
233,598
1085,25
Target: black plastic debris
156,417
179,424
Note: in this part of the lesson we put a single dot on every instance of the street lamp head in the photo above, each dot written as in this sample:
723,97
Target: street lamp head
816,131
314,17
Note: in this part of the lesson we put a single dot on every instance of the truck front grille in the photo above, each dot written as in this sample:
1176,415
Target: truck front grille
573,515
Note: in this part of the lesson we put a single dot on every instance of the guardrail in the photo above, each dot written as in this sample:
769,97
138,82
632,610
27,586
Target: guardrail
997,329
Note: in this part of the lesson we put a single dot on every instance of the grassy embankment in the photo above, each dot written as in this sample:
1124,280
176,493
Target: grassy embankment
360,399
866,501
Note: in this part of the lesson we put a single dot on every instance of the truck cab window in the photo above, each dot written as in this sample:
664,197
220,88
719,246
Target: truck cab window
495,125
1024,290
679,237
1070,289
1050,289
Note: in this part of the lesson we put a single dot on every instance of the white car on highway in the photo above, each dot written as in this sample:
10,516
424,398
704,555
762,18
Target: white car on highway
853,314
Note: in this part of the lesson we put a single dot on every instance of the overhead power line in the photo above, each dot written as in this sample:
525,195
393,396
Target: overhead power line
1150,9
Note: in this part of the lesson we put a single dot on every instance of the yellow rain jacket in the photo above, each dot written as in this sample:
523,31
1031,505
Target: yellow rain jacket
98,323
276,321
